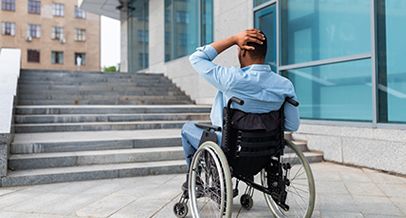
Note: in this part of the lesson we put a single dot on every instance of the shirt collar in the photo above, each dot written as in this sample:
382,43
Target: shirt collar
257,67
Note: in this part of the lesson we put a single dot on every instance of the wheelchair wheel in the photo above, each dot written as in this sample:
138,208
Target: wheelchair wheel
180,210
298,186
210,187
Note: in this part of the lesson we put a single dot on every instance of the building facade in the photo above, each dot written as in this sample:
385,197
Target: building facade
345,58
51,34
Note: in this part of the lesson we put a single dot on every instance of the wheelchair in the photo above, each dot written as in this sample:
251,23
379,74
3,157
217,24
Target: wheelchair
254,150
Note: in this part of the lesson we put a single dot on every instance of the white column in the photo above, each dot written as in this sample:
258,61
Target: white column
156,36
124,42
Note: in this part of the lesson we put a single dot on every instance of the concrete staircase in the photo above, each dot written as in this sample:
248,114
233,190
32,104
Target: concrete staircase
84,126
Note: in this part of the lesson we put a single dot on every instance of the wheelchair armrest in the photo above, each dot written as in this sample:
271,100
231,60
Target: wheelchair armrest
208,126
292,101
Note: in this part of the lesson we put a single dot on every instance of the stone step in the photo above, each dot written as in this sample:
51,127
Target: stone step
70,159
104,171
103,102
107,95
91,172
77,118
137,91
99,126
93,86
27,143
101,97
80,158
110,109
59,74
62,79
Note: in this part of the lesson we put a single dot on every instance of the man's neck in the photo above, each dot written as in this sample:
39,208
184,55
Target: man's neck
252,63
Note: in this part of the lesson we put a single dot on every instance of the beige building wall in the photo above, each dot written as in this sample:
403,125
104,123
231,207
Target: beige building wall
45,44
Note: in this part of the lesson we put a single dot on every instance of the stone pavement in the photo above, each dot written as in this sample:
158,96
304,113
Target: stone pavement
341,192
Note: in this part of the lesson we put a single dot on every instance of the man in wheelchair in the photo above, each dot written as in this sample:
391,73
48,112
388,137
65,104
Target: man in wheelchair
252,109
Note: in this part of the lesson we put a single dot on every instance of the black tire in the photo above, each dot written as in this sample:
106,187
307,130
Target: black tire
180,210
246,201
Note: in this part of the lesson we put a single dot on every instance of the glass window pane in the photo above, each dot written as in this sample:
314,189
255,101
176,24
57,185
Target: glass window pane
314,30
340,91
265,20
207,21
138,35
184,29
392,74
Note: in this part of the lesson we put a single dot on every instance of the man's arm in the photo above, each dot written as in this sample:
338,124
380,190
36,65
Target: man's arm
292,118
217,75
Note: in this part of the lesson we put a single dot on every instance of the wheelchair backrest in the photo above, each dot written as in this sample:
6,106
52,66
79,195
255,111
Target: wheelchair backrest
250,140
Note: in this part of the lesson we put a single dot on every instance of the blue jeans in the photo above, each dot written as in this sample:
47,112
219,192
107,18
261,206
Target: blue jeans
191,135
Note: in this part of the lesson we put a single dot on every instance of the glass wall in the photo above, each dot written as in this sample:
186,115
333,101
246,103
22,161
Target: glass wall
314,30
391,60
138,35
331,32
188,24
339,91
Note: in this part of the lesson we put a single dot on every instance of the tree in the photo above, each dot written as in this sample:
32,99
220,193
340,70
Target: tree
110,69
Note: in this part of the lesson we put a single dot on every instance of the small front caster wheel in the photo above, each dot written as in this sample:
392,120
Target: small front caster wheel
180,210
246,201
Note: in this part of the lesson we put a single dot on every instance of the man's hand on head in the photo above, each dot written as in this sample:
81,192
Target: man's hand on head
250,35
240,39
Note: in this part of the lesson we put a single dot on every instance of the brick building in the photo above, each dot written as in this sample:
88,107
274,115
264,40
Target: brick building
51,34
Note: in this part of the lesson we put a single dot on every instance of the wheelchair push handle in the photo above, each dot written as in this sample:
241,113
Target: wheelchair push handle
292,101
235,100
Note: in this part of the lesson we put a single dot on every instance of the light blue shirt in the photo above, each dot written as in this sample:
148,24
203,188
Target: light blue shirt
261,89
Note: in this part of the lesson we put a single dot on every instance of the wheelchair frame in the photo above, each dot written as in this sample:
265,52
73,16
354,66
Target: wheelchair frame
246,199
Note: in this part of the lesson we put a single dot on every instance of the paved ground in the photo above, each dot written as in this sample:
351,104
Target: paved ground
341,192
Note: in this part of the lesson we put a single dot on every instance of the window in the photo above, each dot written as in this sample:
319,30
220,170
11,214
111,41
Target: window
33,56
206,29
265,20
315,30
58,9
80,13
34,6
142,36
391,61
80,59
57,33
8,5
184,19
138,35
80,34
143,58
57,57
334,92
34,31
8,28
182,39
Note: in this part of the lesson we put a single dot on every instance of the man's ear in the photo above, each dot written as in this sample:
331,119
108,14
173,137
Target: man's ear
243,52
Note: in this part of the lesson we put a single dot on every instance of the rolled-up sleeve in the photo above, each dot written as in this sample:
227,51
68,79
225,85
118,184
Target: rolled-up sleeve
202,61
292,117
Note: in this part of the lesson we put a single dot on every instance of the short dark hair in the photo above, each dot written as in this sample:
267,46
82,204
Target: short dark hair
260,50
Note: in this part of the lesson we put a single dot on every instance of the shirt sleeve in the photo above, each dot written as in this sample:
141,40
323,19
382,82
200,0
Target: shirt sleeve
292,118
202,61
